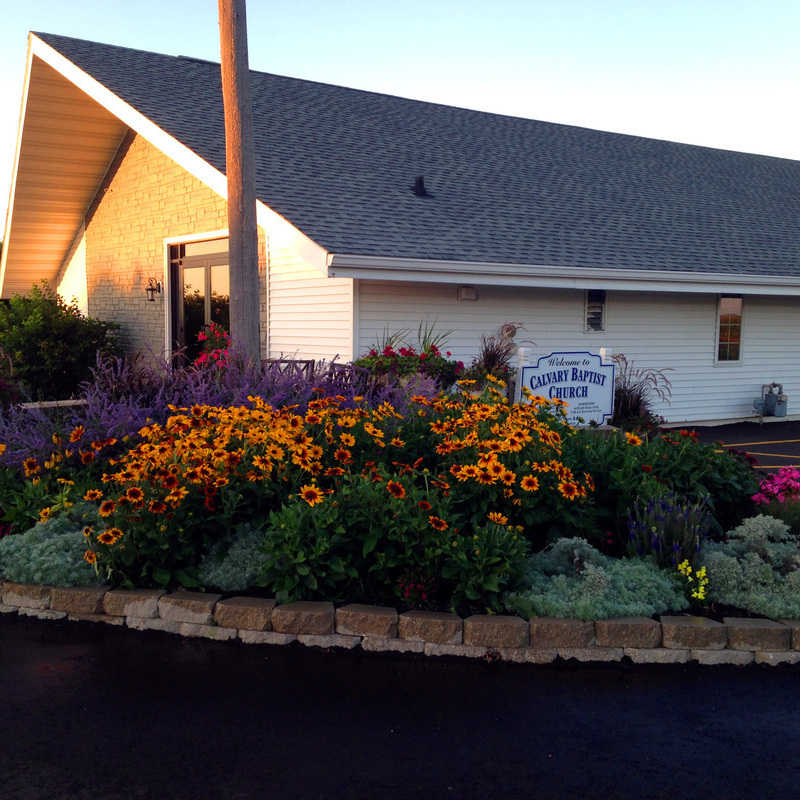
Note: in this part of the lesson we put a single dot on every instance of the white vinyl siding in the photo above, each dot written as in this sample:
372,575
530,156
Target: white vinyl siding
659,330
310,316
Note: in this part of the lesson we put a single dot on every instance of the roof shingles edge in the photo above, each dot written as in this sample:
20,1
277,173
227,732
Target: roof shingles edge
339,164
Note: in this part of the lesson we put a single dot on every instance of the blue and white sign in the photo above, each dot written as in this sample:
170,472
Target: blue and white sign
580,379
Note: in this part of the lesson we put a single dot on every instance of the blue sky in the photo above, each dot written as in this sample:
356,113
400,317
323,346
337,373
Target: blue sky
723,74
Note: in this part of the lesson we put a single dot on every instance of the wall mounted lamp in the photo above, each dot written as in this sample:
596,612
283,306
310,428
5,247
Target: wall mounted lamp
152,289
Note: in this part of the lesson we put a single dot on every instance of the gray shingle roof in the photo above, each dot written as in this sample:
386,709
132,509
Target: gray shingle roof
339,164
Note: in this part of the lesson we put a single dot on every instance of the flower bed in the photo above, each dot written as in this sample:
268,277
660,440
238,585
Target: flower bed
229,478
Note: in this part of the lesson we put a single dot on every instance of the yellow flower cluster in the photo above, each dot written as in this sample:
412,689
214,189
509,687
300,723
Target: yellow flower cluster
698,581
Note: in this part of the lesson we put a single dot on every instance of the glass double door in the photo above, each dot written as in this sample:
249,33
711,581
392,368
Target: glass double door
200,283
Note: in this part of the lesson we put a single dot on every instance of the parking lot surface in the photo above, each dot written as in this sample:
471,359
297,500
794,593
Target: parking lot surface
98,713
773,445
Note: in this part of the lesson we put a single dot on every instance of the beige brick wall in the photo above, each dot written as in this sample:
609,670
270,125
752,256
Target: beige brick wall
146,198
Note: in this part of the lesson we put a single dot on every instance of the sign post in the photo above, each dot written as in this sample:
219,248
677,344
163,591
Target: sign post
580,379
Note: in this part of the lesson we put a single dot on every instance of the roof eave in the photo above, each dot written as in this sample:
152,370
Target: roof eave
344,265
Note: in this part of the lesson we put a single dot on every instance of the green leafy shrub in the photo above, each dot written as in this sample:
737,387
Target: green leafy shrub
630,466
380,535
51,344
234,563
757,569
51,552
572,579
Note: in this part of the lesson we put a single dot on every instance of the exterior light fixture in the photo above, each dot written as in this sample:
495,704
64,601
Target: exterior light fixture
152,289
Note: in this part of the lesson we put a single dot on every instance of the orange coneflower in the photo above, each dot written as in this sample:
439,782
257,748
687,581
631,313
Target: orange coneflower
508,477
157,507
569,489
334,472
170,481
343,455
530,483
633,439
90,557
87,531
76,434
347,439
93,494
106,508
437,523
425,505
497,517
311,494
107,537
134,494
395,489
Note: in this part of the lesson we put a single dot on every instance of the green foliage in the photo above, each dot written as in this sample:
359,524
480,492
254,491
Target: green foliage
233,564
757,569
670,529
484,566
572,579
51,344
787,511
51,552
360,545
667,462
377,537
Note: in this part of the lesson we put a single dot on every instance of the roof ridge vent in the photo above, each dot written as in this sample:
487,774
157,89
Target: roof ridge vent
419,187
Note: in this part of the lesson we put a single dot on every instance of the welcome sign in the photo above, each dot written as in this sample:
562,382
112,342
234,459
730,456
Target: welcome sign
580,379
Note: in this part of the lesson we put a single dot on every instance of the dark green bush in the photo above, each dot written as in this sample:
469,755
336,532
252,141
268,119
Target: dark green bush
52,346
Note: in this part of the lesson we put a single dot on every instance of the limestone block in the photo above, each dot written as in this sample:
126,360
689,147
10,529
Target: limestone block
266,637
361,620
196,607
794,624
527,655
462,650
329,640
716,657
303,616
153,624
656,655
779,657
78,599
695,633
23,595
495,630
105,618
132,602
247,613
42,613
745,633
549,633
431,626
635,632
591,653
382,644
196,630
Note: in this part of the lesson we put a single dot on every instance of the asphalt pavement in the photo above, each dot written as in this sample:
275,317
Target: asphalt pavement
98,713
773,445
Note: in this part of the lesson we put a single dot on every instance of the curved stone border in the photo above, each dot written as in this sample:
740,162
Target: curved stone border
255,620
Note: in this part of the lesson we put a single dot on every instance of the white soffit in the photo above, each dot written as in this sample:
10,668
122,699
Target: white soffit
70,128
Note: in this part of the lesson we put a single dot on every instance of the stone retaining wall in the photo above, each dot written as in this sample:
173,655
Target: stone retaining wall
254,620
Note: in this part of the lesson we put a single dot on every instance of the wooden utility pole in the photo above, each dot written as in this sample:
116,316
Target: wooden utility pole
240,166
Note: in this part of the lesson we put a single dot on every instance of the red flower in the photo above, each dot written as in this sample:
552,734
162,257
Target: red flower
646,468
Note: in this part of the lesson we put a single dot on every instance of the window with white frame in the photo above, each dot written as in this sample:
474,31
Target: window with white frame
595,310
729,328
